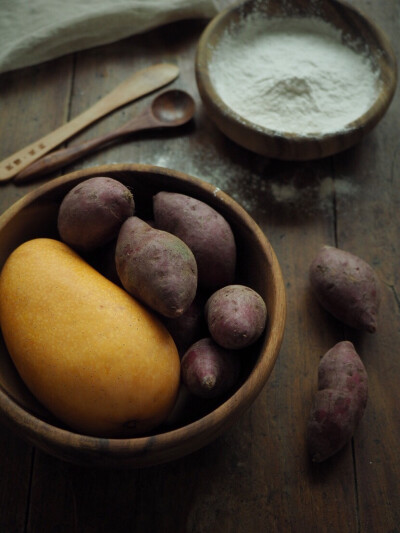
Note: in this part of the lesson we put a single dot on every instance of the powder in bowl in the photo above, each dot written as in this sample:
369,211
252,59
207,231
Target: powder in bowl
293,75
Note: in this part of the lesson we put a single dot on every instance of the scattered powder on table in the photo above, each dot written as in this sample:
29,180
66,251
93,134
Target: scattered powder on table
293,75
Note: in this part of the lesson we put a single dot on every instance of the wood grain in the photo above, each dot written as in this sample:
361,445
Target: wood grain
137,85
39,96
256,476
169,109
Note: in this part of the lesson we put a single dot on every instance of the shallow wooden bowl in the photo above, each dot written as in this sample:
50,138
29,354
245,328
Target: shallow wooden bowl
36,215
354,26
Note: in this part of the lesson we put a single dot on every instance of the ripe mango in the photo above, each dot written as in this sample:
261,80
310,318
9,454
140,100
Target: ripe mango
94,356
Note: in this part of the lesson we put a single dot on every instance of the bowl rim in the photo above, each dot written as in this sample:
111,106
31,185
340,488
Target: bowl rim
363,123
30,425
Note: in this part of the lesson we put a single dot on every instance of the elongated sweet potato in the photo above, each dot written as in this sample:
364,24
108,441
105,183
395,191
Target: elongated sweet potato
204,230
347,287
339,403
156,267
92,213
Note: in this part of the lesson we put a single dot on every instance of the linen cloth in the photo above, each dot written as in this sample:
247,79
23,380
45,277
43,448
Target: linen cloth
33,31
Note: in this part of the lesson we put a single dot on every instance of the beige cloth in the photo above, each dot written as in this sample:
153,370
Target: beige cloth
33,31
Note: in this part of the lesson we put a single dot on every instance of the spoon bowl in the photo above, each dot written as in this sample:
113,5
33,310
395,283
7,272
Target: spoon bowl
173,108
169,109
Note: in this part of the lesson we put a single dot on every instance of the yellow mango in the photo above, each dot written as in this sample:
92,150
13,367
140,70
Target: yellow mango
89,352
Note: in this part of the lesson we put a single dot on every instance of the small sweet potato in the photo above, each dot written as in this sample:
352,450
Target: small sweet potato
92,212
190,326
339,403
156,267
208,370
204,230
236,316
347,287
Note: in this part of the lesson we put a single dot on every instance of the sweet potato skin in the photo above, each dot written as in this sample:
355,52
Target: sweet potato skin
204,230
190,326
91,214
331,423
207,370
339,403
347,287
341,368
156,267
236,316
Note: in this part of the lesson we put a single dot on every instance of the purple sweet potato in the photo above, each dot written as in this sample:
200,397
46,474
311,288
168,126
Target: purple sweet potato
236,316
156,267
92,213
204,230
339,403
341,368
208,370
347,287
190,326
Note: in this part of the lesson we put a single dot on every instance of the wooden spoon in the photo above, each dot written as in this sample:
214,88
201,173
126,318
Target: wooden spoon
142,82
169,109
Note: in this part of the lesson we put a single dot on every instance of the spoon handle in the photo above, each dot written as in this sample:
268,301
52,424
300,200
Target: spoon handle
64,156
56,160
142,82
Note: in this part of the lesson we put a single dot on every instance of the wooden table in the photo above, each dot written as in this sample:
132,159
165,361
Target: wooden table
257,476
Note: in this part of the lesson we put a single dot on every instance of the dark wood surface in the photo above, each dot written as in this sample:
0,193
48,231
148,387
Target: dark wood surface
257,476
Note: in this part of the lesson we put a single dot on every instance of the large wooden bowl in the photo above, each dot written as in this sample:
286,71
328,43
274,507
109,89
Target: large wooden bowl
355,27
35,215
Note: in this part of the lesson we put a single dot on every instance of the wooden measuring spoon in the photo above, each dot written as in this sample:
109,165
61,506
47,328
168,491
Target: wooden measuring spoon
169,109
142,82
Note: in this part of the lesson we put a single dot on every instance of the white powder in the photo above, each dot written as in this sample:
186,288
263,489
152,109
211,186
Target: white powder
293,75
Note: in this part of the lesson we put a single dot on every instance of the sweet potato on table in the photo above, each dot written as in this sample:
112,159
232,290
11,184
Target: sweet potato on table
156,267
204,230
339,403
347,287
92,213
236,316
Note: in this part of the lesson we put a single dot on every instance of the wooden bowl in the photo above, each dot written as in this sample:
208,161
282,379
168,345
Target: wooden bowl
355,28
35,215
